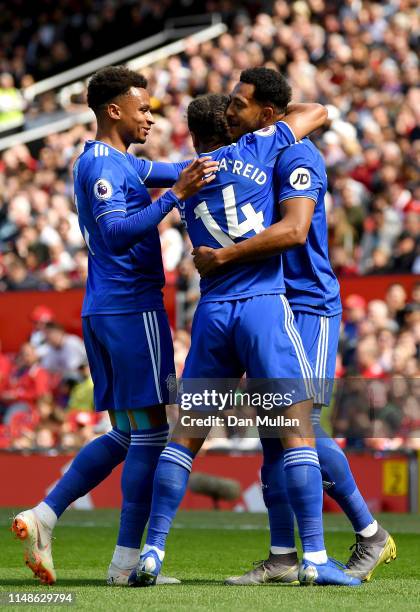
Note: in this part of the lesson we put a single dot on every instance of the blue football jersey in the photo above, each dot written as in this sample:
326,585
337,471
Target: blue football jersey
238,204
107,180
311,285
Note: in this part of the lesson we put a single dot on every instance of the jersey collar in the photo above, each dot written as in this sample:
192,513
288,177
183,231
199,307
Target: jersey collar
214,151
92,142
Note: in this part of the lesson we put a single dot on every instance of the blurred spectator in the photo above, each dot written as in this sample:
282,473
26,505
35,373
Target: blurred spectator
396,298
11,103
378,315
65,352
27,383
188,286
18,277
182,343
172,243
81,395
381,231
5,370
40,316
354,312
368,354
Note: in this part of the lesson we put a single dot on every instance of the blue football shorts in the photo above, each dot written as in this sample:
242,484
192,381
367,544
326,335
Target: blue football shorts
256,335
320,336
131,359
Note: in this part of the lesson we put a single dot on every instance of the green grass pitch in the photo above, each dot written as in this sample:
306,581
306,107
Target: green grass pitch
203,549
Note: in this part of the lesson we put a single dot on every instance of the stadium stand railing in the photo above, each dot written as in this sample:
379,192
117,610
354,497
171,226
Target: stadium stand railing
150,53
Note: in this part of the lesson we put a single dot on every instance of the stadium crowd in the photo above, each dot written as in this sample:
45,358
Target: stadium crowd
46,38
359,58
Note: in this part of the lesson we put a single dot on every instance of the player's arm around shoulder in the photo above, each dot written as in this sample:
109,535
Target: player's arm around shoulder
300,176
121,232
304,118
157,174
300,172
267,143
288,233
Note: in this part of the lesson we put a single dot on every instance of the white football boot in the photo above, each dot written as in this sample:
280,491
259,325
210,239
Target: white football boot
36,539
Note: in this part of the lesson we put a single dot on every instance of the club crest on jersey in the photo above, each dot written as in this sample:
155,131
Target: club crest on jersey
102,189
267,131
300,179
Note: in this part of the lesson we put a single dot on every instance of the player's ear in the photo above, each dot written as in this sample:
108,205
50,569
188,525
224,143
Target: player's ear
114,111
268,115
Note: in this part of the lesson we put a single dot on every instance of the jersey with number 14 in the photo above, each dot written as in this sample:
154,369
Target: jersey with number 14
238,204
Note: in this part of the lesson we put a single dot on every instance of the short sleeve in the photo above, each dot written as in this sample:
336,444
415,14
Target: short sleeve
105,186
265,144
299,173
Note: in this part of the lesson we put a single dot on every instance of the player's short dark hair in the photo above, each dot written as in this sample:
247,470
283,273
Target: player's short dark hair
206,117
271,87
109,83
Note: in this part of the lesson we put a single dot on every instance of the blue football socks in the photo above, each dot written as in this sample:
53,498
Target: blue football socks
336,473
137,483
90,467
170,484
304,490
280,513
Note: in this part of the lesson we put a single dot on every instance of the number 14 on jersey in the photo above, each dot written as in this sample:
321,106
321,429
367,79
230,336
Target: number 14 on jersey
253,221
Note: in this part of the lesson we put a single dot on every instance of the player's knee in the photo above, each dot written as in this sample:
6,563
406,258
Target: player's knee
119,419
192,444
299,423
297,439
147,418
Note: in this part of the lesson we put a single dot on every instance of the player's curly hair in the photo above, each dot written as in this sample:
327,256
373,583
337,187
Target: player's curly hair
109,83
206,117
271,87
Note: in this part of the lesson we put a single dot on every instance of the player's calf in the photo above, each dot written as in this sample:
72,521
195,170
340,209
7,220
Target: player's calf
170,484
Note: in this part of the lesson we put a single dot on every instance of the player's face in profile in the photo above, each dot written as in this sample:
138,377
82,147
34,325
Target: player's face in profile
136,118
244,112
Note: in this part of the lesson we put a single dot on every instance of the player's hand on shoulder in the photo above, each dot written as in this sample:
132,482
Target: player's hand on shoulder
199,173
207,260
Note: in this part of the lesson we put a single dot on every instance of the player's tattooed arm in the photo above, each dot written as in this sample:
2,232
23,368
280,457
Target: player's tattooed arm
305,118
290,232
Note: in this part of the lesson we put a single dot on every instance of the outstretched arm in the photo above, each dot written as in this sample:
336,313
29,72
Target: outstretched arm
120,232
291,231
157,174
267,143
163,174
